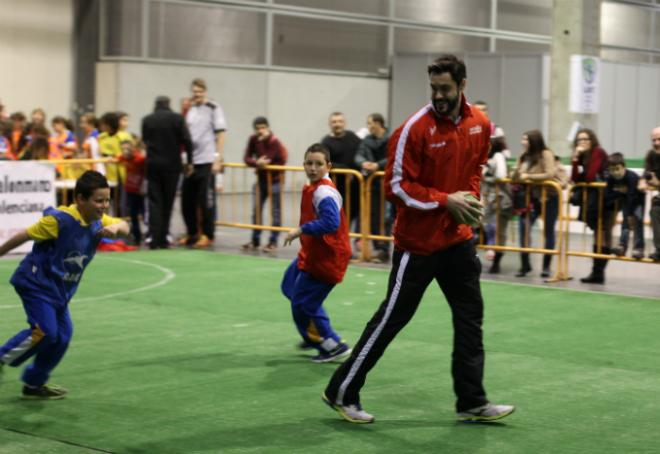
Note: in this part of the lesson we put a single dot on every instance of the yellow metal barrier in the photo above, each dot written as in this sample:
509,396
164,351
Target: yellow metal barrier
238,190
600,187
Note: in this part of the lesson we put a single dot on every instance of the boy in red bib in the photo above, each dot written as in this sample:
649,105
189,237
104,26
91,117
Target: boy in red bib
322,260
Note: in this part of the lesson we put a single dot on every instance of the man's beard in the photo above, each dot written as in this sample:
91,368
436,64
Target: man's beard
446,106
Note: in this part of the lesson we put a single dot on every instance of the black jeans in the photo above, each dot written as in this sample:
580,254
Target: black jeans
456,270
135,202
197,192
276,211
161,192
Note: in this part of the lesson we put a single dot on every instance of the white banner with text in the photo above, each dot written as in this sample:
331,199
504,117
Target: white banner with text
27,188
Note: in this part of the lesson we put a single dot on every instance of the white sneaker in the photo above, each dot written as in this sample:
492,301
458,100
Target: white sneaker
351,413
485,413
490,255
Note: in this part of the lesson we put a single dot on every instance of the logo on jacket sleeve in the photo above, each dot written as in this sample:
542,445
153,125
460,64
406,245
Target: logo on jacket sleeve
475,130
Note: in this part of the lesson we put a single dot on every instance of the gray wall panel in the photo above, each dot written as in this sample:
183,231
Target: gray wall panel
648,107
297,105
484,88
511,85
410,86
521,103
606,117
625,106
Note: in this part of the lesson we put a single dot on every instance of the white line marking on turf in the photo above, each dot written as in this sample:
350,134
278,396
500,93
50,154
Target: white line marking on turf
169,275
347,303
371,283
240,325
370,292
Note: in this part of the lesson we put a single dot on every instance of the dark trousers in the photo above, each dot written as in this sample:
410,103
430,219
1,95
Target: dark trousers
528,219
135,202
258,204
348,187
47,339
634,222
456,270
161,192
196,193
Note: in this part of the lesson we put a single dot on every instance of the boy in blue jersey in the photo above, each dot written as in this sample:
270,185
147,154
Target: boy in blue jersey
65,241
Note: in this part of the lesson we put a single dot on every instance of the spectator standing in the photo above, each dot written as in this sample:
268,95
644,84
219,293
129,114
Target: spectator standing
343,145
497,200
495,131
622,194
371,157
19,133
207,125
433,175
651,182
63,145
90,146
589,165
165,134
38,117
110,147
6,153
133,159
537,163
264,149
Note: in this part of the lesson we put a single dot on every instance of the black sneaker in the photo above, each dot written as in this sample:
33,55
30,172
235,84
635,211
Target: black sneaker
655,256
339,353
44,392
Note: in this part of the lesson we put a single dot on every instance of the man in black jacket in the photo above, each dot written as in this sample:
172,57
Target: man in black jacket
165,135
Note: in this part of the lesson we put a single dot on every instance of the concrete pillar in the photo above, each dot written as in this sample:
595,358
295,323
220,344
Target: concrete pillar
575,30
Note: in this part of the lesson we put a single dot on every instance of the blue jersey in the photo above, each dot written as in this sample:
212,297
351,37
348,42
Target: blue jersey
54,267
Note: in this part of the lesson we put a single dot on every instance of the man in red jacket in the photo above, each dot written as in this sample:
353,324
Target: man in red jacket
433,175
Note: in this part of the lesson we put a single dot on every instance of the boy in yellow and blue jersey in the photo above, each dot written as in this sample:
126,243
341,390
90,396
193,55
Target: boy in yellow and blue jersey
65,241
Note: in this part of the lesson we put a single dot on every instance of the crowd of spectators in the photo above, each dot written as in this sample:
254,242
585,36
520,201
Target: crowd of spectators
198,133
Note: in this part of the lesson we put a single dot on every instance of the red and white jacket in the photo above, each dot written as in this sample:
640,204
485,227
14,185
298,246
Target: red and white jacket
429,157
324,256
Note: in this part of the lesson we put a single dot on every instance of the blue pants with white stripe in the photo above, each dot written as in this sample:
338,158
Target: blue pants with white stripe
456,270
307,295
47,339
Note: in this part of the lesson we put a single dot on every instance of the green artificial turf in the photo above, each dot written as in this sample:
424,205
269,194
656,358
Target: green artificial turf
200,357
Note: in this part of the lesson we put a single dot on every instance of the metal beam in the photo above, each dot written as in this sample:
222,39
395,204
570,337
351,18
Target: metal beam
368,19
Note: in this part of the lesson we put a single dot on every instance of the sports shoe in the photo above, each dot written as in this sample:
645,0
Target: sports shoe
380,257
351,413
185,240
655,256
44,392
619,251
638,254
490,254
269,248
249,247
485,413
203,242
340,352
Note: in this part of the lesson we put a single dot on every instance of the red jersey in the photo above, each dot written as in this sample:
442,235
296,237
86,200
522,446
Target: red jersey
429,157
134,171
325,257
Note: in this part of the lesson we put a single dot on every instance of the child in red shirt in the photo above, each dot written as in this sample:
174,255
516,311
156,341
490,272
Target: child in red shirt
322,260
133,159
